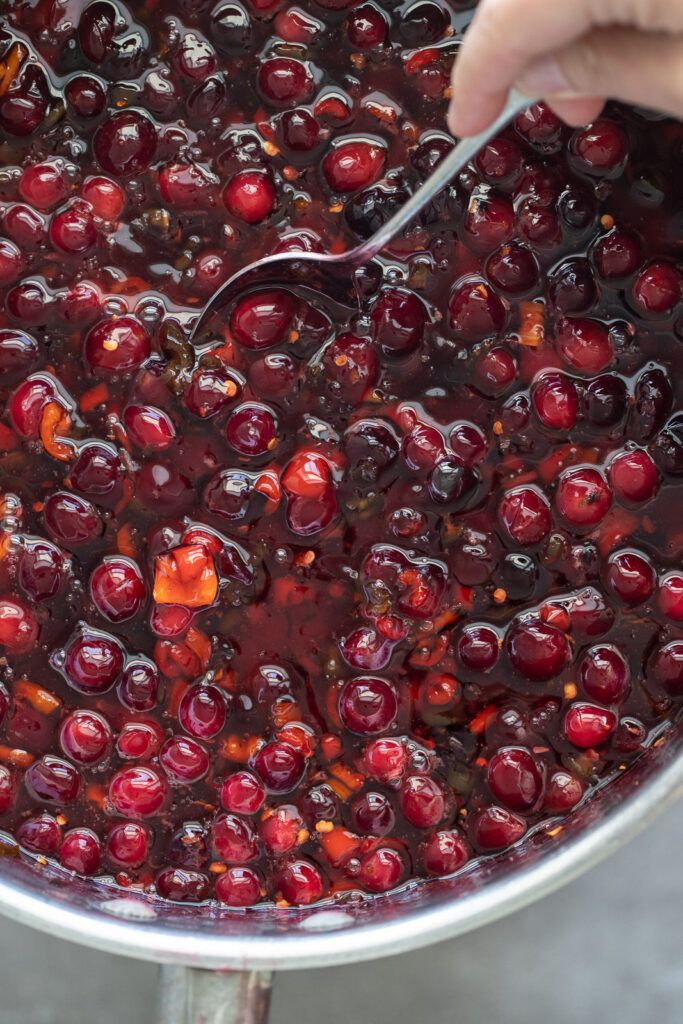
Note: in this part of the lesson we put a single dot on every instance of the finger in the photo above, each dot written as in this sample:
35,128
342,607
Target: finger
625,64
577,111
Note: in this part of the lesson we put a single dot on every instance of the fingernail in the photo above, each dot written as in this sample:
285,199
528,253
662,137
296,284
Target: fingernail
544,78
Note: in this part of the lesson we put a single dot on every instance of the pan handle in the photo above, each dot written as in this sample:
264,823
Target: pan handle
190,995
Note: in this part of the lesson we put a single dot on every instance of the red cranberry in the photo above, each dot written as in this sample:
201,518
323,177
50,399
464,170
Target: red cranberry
93,662
422,801
44,185
297,26
96,472
195,59
541,128
468,443
210,391
538,650
633,476
475,311
80,305
25,226
423,448
495,828
601,148
368,705
284,81
583,496
515,778
280,831
381,869
500,161
364,649
18,354
571,286
666,667
182,886
300,882
71,520
555,401
184,760
657,290
127,844
584,344
513,269
139,685
670,596
52,780
19,629
280,767
238,887
604,674
350,364
263,318
477,647
630,577
617,255
231,28
162,487
250,196
81,851
85,737
117,588
252,429
40,834
373,814
525,513
139,740
116,346
489,222
203,711
11,261
539,226
562,792
587,725
124,145
150,429
106,197
72,230
234,839
29,304
444,853
85,96
494,371
137,791
242,793
353,164
299,131
386,759
366,27
7,789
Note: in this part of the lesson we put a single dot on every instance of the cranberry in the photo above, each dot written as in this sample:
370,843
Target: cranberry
525,514
72,230
563,792
300,882
630,577
350,364
44,185
263,318
444,853
299,130
19,630
386,759
280,767
583,496
283,81
7,789
18,354
500,161
116,346
40,834
150,429
398,321
281,831
515,778
24,102
512,269
540,127
139,740
587,725
106,197
657,290
184,760
127,844
231,27
238,887
668,448
477,647
117,588
381,869
52,780
85,737
617,255
571,287
670,596
85,96
353,164
601,148
210,391
555,401
364,649
242,793
422,801
605,401
182,886
489,222
537,649
11,261
604,674
633,476
137,791
666,667
368,705
234,839
494,372
252,429
366,27
195,58
373,814
81,851
202,711
250,196
139,685
495,828
93,661
475,311
125,144
25,226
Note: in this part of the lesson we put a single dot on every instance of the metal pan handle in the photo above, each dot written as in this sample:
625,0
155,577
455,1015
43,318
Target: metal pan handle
189,995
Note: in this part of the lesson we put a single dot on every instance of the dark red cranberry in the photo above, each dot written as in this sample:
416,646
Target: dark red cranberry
365,649
184,760
350,365
203,711
238,887
475,311
601,148
373,814
386,759
495,828
381,869
630,577
366,27
319,803
11,261
25,226
444,853
93,661
587,725
512,269
73,230
299,130
657,290
422,801
541,128
520,575
500,161
139,685
300,882
182,886
19,630
666,667
353,164
563,791
453,483
368,705
539,226
85,737
284,81
242,793
494,371
116,346
571,287
96,472
605,401
263,318
124,145
71,520
7,789
280,830
555,401
127,844
583,496
24,102
280,767
137,791
139,740
584,344
81,851
515,778
525,514
633,476
231,27
250,196
52,780
538,650
210,391
489,222
478,647
195,58
653,399
617,255
670,596
234,839
604,674
18,354
85,96
668,447
252,429
117,588
40,834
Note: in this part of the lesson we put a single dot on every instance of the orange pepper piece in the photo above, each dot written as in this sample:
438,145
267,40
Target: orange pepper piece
187,576
56,420
44,702
339,845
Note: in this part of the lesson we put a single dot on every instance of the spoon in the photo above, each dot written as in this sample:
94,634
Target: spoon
334,274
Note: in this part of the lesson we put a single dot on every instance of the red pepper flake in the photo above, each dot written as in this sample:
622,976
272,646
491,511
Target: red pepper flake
480,721
186,576
500,596
216,868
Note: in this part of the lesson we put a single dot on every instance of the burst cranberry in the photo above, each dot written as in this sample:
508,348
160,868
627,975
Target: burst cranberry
562,792
125,144
52,780
604,674
475,311
262,319
515,778
587,725
281,831
116,346
633,476
525,514
211,390
666,667
85,737
495,828
350,364
540,127
117,588
368,705
365,649
127,844
601,148
234,839
238,887
250,196
353,164
40,834
300,882
93,662
537,649
137,791
583,496
670,596
630,577
657,290
280,767
81,851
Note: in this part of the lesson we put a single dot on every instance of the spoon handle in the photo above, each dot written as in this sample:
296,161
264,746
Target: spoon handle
440,177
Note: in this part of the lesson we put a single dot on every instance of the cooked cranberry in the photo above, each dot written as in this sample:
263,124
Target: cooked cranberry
96,471
666,667
252,429
453,483
617,255
563,791
161,486
202,711
555,401
125,144
525,514
365,649
85,95
211,390
601,148
137,791
40,834
149,428
587,725
238,887
584,344
231,27
605,400
633,476
52,780
73,230
423,448
515,778
11,261
537,649
477,647
93,661
299,130
540,127
571,287
81,851
24,102
18,354
368,705
71,520
381,869
386,759
653,397
422,801
281,831
44,185
284,81
139,740
115,346
263,318
495,828
106,197
183,759
475,311
373,814
139,685
297,26
398,321
280,766
350,364
366,27
353,164
195,59
489,222
604,674
7,789
657,290
444,853
668,448
242,793
25,226
85,736
512,269
583,496
630,577
117,588
127,844
300,882
670,596
182,886
234,839
494,371
250,196
19,630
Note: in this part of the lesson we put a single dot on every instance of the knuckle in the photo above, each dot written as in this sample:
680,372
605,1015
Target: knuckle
584,65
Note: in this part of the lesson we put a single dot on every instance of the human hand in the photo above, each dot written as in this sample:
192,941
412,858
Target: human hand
573,54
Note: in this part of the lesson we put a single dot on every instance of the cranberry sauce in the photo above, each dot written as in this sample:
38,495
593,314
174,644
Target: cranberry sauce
324,602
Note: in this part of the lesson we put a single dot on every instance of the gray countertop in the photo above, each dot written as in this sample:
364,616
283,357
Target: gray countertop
605,948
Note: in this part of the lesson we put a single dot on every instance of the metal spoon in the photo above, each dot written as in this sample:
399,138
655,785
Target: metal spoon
334,275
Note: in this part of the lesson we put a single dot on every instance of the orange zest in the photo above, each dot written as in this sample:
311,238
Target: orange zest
55,420
44,702
240,748
531,329
339,845
186,576
9,68
15,757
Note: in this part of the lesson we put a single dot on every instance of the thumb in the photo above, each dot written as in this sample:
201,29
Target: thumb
643,68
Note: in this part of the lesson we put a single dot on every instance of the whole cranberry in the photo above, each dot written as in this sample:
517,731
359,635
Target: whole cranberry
353,164
250,196
350,364
381,869
262,319
81,851
601,148
666,667
670,596
633,476
238,887
203,711
139,686
71,520
117,588
604,674
284,81
515,778
657,290
115,346
525,514
181,885
422,801
537,649
19,629
373,814
300,882
630,577
583,496
555,401
588,725
40,834
242,793
585,345
85,736
541,128
475,311
52,780
513,269
184,759
234,839
477,647
562,792
366,27
93,661
85,96
127,844
280,767
444,852
617,254
496,828
137,791
368,705
125,143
